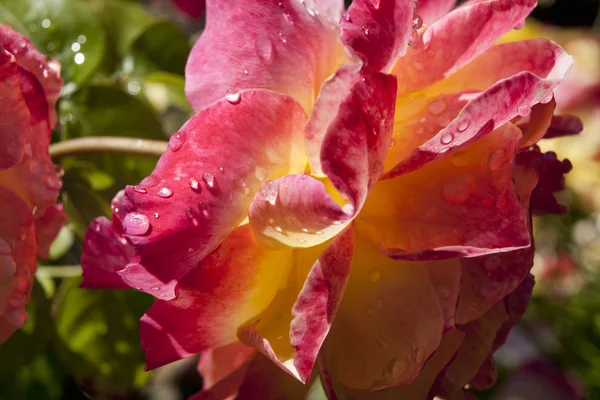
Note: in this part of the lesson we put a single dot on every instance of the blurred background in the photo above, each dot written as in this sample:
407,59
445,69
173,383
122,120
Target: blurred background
123,61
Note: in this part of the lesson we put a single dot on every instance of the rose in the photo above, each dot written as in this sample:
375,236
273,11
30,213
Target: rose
412,229
29,185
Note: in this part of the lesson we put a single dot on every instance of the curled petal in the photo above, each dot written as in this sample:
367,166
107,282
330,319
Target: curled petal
536,124
258,44
46,71
293,341
378,31
47,227
298,210
384,297
216,364
463,205
231,285
202,186
454,40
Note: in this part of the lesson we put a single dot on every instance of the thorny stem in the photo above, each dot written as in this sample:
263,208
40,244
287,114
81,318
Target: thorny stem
107,144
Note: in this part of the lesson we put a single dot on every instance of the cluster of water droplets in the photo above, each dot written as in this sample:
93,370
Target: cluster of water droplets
20,294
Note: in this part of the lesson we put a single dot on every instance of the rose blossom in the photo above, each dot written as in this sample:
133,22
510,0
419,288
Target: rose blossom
29,185
359,193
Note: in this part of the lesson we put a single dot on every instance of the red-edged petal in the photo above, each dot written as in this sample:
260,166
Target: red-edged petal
14,114
17,261
47,227
202,186
551,172
250,44
432,10
47,71
391,319
216,364
298,210
313,308
378,31
456,39
464,205
230,286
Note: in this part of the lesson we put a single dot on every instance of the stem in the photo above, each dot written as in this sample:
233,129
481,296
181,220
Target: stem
108,144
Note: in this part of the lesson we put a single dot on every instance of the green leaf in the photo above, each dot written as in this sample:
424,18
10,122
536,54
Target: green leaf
101,327
67,30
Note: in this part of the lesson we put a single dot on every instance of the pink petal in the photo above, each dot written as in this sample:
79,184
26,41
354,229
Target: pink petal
456,39
47,227
202,187
251,44
217,364
47,71
313,308
17,261
432,10
459,206
297,210
14,114
564,125
230,286
378,31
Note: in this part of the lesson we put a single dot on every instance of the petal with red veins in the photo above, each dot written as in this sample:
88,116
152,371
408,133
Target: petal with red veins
482,114
47,227
216,364
258,44
230,286
463,205
456,39
432,10
298,210
564,125
46,71
313,294
14,115
378,31
384,297
203,185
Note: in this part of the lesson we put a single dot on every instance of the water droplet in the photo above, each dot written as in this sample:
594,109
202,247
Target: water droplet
194,184
301,240
436,107
523,110
463,125
234,98
221,168
547,98
190,213
209,179
318,232
492,263
149,182
460,159
282,38
443,292
395,368
374,275
377,167
278,229
135,224
156,215
392,143
260,173
419,355
246,72
417,22
165,192
264,50
346,17
491,290
496,159
458,189
447,138
177,140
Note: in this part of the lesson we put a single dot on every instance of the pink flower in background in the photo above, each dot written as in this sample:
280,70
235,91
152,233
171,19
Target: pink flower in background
29,185
358,193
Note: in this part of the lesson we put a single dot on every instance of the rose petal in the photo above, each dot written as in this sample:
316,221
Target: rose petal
255,44
202,187
463,205
384,297
378,31
192,8
217,364
564,125
293,341
47,227
432,10
536,124
456,39
230,286
297,210
47,71
14,115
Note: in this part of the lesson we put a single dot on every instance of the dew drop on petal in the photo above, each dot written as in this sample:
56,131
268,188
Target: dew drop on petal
260,173
443,292
491,290
190,213
458,189
209,179
496,159
165,192
148,182
156,215
139,189
419,355
417,22
447,138
392,143
437,107
346,17
278,229
135,224
233,98
523,110
194,184
462,126
374,275
177,140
